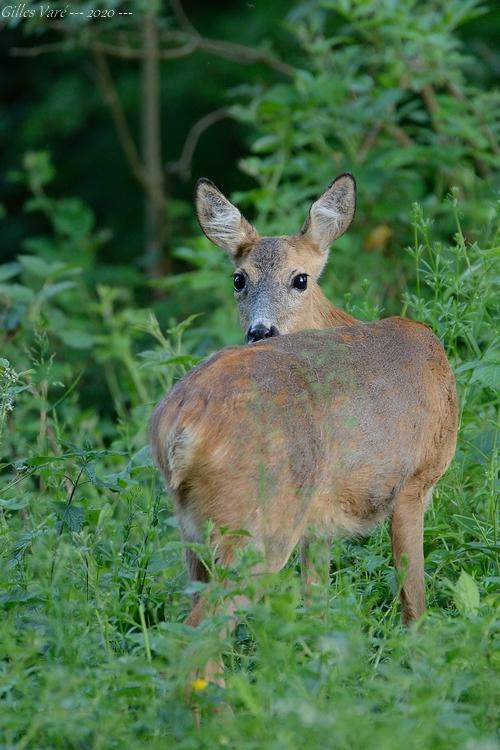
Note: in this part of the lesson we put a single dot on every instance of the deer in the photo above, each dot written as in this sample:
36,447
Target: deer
321,426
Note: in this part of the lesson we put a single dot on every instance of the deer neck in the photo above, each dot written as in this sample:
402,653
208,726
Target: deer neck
326,315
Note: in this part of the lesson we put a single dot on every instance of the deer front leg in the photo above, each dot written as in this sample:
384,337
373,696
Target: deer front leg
407,536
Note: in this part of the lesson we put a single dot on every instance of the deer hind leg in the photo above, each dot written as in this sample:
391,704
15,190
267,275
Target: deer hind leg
407,536
214,668
276,556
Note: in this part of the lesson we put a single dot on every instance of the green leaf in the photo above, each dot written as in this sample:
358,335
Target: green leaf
76,339
466,595
13,316
16,596
14,503
112,484
43,460
8,270
38,165
20,548
16,293
159,359
179,328
71,516
54,289
141,459
73,218
487,374
37,266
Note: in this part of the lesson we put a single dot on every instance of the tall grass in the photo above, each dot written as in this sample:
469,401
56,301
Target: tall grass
93,649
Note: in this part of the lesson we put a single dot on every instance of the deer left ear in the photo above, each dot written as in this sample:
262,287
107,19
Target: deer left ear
222,222
331,215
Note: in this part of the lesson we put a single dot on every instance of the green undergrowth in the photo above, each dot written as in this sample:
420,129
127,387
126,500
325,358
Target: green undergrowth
93,593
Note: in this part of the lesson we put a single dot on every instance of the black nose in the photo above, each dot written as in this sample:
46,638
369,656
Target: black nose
259,332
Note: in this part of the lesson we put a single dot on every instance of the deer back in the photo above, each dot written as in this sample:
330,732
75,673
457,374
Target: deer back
320,427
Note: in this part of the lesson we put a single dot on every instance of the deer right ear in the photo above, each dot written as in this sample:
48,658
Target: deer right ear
331,215
220,221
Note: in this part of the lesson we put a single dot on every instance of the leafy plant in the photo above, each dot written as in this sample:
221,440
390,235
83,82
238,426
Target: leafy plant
384,91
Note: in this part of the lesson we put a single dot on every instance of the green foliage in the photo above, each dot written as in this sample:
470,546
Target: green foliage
93,593
93,589
384,91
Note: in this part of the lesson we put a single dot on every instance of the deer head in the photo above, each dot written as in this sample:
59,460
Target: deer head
275,278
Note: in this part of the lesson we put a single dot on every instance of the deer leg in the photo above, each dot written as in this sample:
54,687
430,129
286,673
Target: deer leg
315,556
196,571
214,669
407,530
276,556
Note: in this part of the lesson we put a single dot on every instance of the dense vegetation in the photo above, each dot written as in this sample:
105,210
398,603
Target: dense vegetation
93,651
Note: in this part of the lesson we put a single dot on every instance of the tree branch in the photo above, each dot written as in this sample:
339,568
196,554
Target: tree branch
136,53
238,53
244,55
110,96
183,166
228,50
368,142
399,135
188,42
182,17
41,49
156,227
429,96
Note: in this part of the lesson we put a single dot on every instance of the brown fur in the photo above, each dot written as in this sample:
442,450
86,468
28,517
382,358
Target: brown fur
346,425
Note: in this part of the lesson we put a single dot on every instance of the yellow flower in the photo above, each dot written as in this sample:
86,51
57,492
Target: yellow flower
199,684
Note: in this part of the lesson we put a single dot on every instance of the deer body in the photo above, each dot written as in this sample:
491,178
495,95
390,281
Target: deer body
319,429
332,428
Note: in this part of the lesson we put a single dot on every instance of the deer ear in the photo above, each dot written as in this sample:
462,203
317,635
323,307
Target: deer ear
331,215
220,221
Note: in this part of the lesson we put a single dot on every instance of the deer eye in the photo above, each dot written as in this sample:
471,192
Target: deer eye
300,282
239,281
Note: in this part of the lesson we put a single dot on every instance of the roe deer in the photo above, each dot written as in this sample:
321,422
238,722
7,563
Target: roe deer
331,427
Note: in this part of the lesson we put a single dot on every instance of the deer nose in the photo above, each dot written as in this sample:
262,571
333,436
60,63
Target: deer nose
259,332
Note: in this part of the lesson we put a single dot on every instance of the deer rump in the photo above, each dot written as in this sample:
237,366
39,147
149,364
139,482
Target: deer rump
314,429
